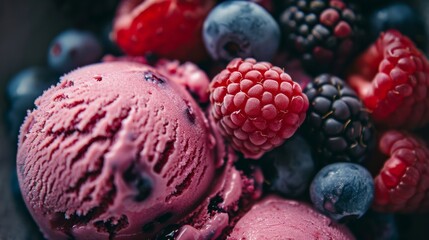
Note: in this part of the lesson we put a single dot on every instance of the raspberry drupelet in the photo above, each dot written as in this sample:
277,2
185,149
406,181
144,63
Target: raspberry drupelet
256,106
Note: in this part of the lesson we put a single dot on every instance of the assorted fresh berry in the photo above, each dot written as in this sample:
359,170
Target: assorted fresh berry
259,107
392,79
170,29
342,191
73,48
240,29
402,17
289,168
402,185
337,123
256,106
323,34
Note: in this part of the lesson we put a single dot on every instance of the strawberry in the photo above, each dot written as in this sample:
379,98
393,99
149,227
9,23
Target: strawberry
392,79
256,106
402,185
169,28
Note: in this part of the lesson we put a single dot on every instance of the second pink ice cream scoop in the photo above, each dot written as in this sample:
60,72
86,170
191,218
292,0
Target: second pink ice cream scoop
276,218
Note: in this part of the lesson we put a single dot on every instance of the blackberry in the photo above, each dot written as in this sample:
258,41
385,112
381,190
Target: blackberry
324,34
337,123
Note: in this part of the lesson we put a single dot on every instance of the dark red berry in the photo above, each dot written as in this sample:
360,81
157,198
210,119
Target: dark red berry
171,29
402,185
392,79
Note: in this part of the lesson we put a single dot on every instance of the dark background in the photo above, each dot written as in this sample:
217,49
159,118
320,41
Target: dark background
26,29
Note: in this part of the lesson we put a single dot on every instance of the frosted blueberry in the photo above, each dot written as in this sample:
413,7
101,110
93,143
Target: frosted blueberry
342,190
240,29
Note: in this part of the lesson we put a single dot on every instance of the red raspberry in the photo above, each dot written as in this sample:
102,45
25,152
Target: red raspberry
392,79
402,185
170,28
256,106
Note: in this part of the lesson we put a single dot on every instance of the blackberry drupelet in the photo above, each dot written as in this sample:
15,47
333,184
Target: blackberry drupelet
324,34
337,123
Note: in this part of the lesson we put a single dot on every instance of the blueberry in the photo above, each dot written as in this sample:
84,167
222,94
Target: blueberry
72,49
138,182
402,17
342,190
240,29
23,89
289,168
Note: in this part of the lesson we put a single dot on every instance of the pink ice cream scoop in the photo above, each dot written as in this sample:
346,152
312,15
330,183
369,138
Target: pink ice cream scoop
275,218
115,150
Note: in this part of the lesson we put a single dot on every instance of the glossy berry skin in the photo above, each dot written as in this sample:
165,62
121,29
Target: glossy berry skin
342,190
323,34
402,17
240,29
73,48
337,124
392,79
402,185
256,106
288,169
21,92
170,29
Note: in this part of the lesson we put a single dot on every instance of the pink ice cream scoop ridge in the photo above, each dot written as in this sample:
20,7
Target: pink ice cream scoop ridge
275,218
115,149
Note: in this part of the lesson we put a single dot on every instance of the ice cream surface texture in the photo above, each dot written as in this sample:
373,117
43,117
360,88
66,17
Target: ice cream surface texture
276,218
114,150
